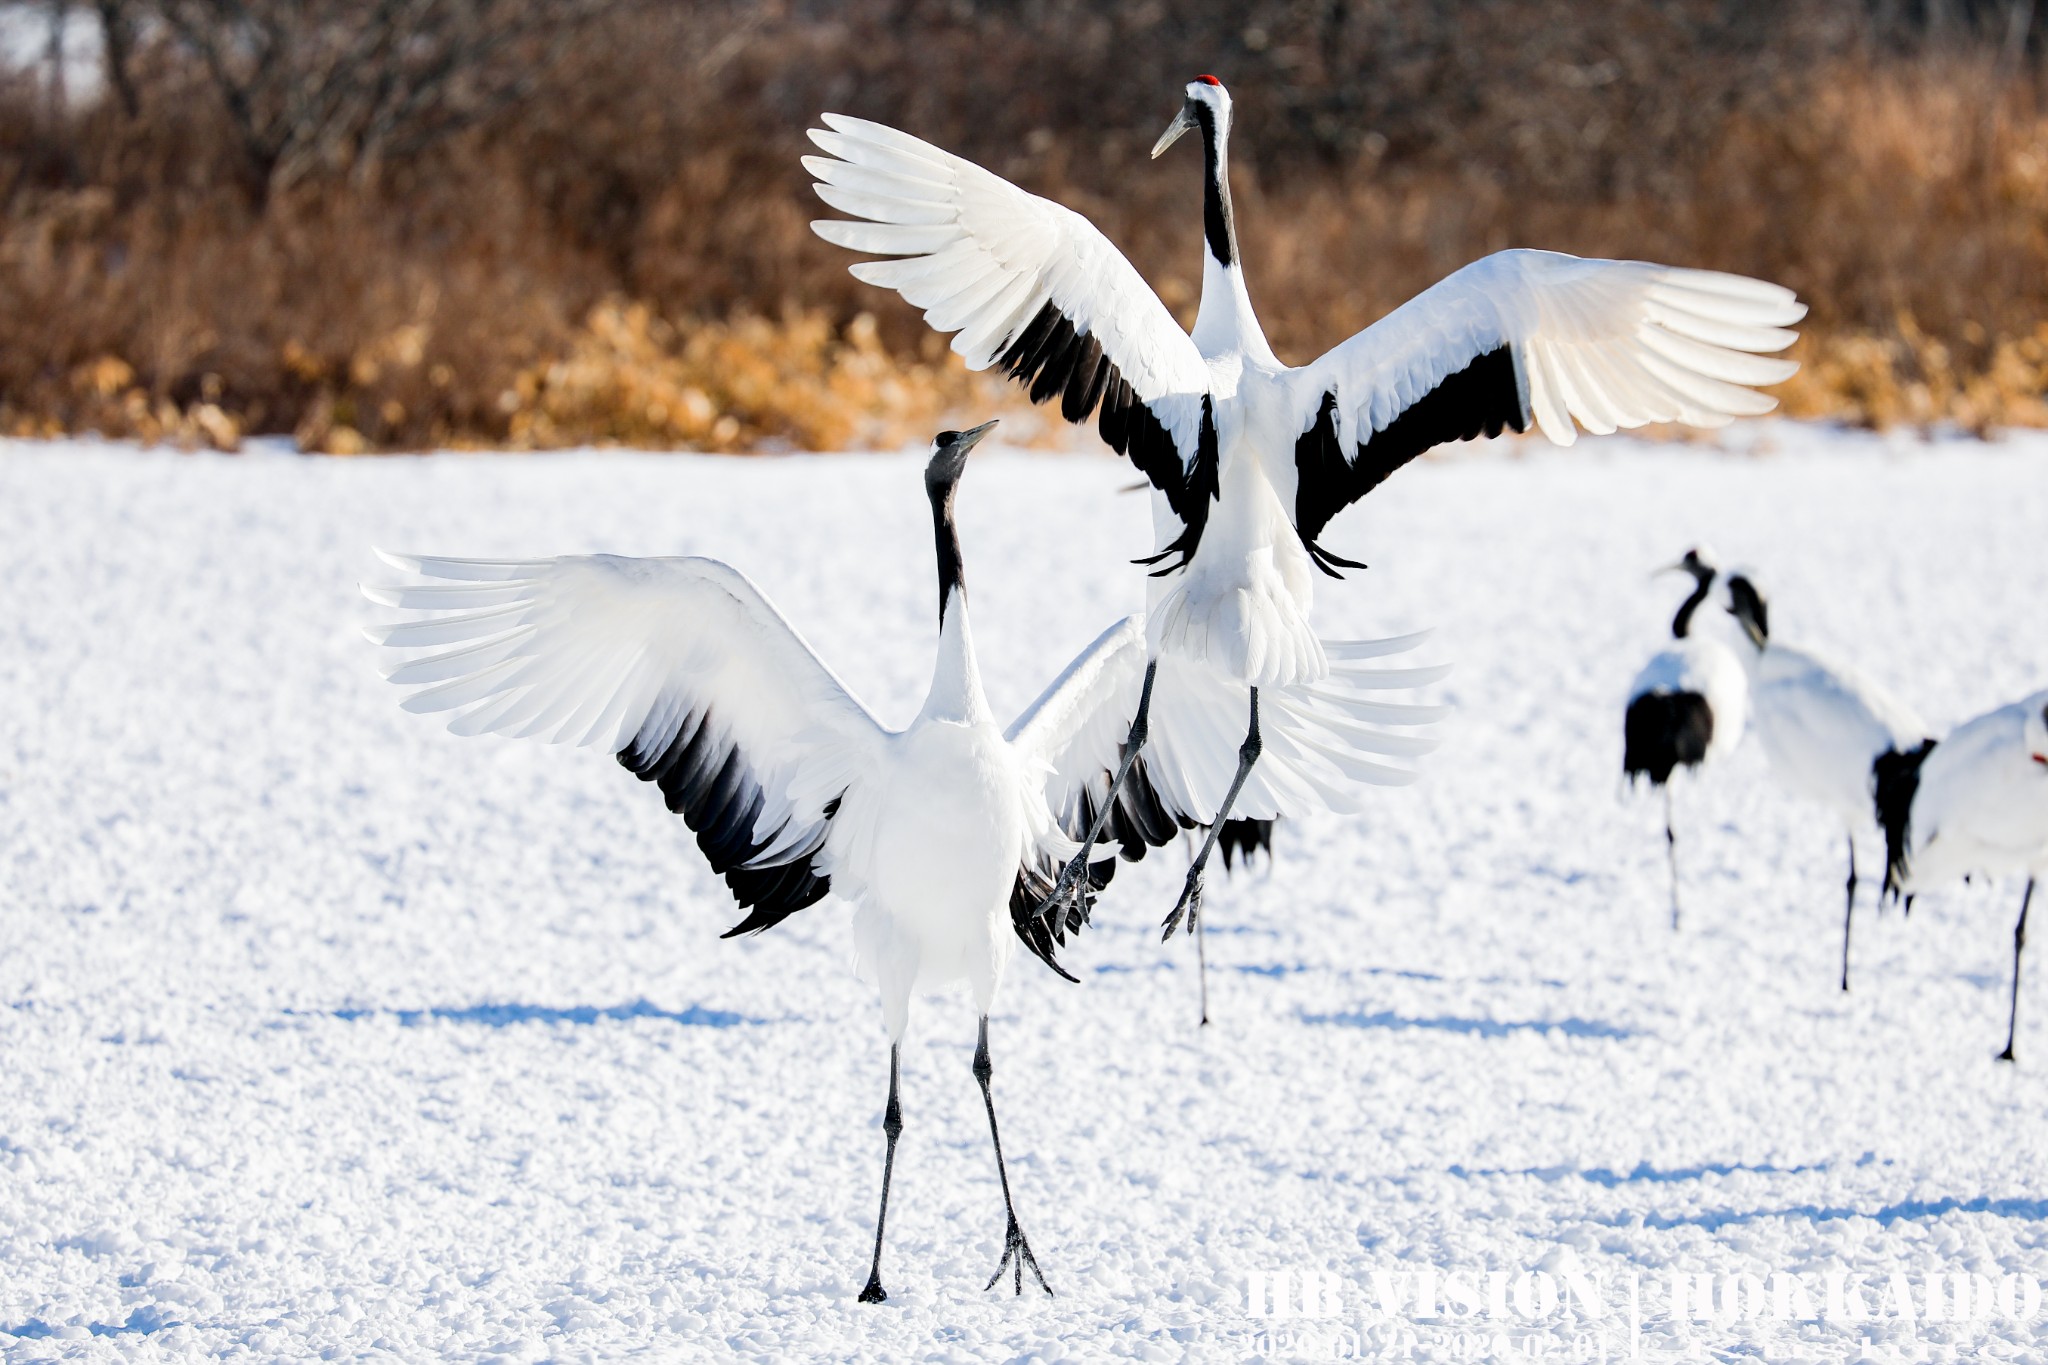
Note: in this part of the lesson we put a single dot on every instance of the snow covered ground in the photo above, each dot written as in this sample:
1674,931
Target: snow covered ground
325,1033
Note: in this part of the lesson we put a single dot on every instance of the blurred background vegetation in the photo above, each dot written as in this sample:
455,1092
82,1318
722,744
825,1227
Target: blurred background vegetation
390,224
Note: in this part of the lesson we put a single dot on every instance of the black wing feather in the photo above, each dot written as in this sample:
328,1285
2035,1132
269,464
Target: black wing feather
1894,781
1052,359
1481,399
706,779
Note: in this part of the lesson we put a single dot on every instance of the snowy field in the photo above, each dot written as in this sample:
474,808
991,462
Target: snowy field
323,1033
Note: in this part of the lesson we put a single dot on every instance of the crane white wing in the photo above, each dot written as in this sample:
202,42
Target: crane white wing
1029,286
1522,336
1322,742
679,667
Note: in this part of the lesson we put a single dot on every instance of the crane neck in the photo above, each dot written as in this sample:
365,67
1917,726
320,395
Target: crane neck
1219,223
1225,321
955,693
1681,624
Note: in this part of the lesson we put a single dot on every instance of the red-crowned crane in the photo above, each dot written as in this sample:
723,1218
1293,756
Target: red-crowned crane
1977,802
1249,457
1829,732
1685,707
945,836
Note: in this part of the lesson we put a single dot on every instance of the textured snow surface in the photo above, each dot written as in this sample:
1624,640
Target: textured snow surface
325,1033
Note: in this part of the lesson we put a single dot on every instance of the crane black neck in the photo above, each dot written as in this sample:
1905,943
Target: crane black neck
1219,224
946,539
1681,624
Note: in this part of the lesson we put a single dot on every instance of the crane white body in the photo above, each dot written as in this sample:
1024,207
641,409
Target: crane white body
1824,727
1981,806
1704,667
1982,801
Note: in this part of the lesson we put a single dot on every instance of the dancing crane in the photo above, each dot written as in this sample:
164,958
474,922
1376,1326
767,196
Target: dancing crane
1250,458
945,835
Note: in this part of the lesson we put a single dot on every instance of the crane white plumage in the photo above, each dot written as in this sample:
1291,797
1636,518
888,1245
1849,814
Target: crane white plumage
1686,706
1831,734
1251,458
1977,802
945,835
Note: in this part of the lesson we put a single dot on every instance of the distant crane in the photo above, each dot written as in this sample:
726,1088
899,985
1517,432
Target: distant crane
1977,802
1827,730
1251,458
1685,707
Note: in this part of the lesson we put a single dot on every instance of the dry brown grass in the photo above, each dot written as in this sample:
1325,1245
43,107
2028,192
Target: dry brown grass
620,263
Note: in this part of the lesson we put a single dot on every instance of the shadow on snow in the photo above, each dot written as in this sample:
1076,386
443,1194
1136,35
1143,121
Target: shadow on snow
1484,1028
144,1320
1644,1171
2031,1209
493,1015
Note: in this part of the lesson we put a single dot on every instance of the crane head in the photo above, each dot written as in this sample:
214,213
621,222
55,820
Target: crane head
1698,561
1747,606
949,456
1205,99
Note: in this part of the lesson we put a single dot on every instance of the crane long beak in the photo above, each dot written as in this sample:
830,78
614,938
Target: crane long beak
969,438
1182,121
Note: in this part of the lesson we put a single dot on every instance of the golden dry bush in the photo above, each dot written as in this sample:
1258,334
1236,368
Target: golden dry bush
621,253
631,378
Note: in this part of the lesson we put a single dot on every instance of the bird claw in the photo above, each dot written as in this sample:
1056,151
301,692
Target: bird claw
1017,1255
1070,895
874,1293
1188,907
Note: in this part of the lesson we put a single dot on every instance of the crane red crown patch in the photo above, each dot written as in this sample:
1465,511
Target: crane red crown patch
1208,80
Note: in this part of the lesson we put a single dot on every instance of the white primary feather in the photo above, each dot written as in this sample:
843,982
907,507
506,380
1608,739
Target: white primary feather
981,257
1614,344
610,652
1323,744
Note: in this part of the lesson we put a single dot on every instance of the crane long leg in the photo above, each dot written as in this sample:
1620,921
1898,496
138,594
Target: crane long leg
892,1124
1016,1251
2019,945
1074,874
1190,902
1671,853
1202,962
1848,912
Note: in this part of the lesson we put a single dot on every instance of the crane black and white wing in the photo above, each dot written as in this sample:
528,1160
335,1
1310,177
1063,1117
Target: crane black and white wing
679,667
1030,287
1323,741
1522,337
